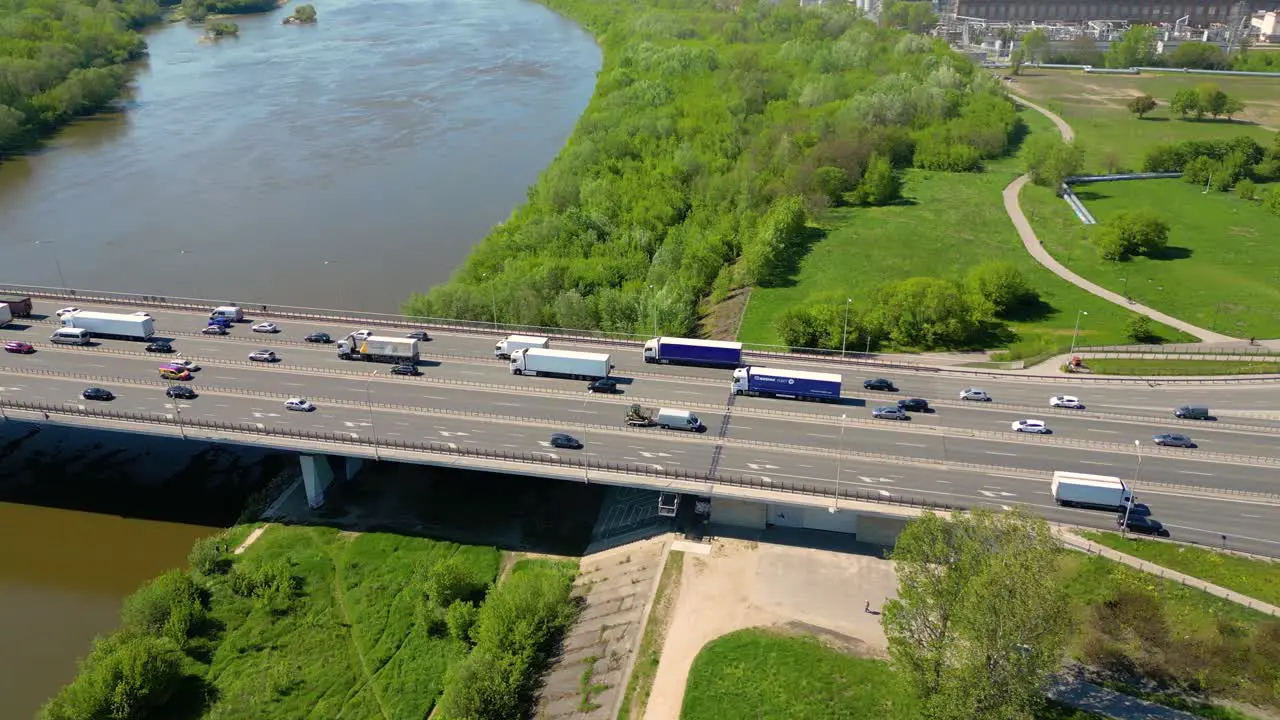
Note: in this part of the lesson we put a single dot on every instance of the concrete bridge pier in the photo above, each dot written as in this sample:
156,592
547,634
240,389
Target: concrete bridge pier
319,472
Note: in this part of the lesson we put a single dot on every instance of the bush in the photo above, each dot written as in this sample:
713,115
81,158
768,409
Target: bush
1271,200
1050,161
209,555
272,583
1002,285
1247,190
167,606
880,184
1131,233
1140,329
450,581
460,618
125,677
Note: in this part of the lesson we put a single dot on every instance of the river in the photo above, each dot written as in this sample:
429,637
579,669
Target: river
342,164
345,164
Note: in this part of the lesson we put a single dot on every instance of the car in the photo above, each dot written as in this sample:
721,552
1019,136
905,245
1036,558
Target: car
405,369
160,346
97,393
879,384
266,328
67,311
180,392
263,356
1066,401
604,385
183,364
141,313
566,441
890,413
1173,440
299,405
1143,524
1031,426
318,338
221,322
1139,510
362,334
419,335
214,330
22,348
169,373
975,394
914,405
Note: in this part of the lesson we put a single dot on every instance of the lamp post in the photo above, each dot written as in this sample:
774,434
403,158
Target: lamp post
339,283
839,463
653,305
2,415
493,298
56,262
1075,333
586,459
368,403
1124,527
844,337
177,412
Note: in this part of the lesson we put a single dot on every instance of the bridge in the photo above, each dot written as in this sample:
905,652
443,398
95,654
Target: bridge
826,466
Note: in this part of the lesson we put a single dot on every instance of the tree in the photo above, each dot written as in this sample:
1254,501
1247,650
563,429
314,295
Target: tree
1232,106
1139,329
1002,285
302,15
1200,55
1035,43
1187,102
1137,48
125,677
1050,161
1016,60
800,328
1141,105
167,606
1129,233
880,184
978,625
449,581
1211,98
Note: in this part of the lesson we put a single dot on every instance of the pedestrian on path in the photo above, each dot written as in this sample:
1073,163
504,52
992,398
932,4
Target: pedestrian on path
867,608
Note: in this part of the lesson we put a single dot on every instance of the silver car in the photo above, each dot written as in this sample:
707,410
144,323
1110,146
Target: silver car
889,413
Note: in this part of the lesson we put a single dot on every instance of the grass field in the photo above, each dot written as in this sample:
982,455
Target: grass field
1122,366
1258,579
1094,106
1221,271
957,221
351,644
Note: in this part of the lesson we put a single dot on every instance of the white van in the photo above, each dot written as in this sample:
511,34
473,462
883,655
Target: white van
230,312
511,343
678,419
70,336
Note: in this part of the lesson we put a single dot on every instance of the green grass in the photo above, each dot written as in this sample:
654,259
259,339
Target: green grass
956,222
1124,366
764,675
645,669
1258,579
1222,269
1114,139
351,644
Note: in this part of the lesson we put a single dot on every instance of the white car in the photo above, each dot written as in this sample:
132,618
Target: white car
143,314
1031,426
266,328
361,334
1065,401
263,356
67,311
188,365
299,404
975,394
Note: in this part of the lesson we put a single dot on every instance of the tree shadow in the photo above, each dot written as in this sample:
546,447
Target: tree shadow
1031,311
1018,135
902,202
994,333
784,274
1091,195
1170,252
1154,119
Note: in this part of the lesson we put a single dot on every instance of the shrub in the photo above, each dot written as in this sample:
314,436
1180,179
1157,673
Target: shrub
1050,160
125,677
880,184
272,583
1132,233
1247,190
167,606
1140,329
460,618
1002,285
1271,200
209,555
450,581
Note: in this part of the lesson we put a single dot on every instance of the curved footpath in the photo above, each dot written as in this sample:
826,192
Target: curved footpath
1042,256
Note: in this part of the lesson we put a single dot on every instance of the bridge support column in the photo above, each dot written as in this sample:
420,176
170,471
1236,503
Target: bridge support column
353,466
317,475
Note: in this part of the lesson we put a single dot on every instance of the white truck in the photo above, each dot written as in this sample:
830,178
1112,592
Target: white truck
560,363
230,312
1099,492
507,346
373,348
665,418
6,315
111,325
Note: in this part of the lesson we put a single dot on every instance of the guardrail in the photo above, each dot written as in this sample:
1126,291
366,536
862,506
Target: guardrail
590,337
843,493
1158,352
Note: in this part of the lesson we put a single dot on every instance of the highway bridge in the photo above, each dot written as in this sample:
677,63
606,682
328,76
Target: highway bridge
786,458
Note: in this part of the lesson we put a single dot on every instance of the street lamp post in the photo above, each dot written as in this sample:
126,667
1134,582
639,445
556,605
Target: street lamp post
1075,333
653,305
56,262
339,283
373,429
1124,527
839,463
586,457
844,337
493,298
177,413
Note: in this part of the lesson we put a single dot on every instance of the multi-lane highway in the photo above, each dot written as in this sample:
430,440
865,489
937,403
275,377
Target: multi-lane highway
761,438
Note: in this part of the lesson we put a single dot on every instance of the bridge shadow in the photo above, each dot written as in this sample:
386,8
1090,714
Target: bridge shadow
800,537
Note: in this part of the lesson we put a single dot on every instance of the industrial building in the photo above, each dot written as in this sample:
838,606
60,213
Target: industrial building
1200,13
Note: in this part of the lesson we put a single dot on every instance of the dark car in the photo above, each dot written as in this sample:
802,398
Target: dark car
889,413
318,338
914,405
221,322
97,394
879,384
19,347
1173,440
1142,524
1139,510
160,346
564,440
419,335
603,385
181,392
405,370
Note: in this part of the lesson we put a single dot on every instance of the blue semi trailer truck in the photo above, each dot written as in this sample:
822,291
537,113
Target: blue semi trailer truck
798,384
683,351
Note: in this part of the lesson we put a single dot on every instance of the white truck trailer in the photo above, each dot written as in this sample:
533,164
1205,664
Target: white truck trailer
374,348
560,363
507,346
6,315
111,325
1099,492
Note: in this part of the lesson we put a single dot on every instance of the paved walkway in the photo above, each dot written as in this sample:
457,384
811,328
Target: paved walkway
1077,693
1042,256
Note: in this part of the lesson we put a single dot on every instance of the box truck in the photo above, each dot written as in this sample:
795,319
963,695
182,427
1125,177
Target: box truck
1100,492
19,305
5,315
560,363
374,348
507,346
683,351
111,325
230,312
798,384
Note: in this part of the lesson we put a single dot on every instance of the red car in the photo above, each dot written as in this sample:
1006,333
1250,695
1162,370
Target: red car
19,347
